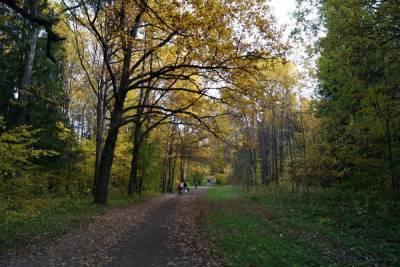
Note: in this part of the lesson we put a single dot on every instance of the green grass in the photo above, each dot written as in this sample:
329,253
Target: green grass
263,227
41,219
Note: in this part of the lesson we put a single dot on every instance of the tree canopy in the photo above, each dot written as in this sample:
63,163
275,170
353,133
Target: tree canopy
132,96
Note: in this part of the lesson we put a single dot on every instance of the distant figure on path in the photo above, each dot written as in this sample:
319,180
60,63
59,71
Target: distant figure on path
180,187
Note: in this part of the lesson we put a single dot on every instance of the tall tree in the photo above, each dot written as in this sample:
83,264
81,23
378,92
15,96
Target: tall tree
186,41
358,86
26,80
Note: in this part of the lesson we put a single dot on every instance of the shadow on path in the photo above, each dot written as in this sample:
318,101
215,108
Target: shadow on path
160,232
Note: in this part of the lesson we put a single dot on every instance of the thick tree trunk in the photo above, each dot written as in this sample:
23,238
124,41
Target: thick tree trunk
21,113
101,187
100,118
134,184
107,155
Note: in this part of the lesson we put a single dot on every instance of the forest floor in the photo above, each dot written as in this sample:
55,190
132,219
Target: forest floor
264,226
162,231
225,226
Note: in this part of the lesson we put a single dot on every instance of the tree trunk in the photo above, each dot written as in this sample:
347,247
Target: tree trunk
264,153
187,169
305,185
281,156
172,170
101,187
289,137
107,155
21,113
275,152
133,184
182,162
170,162
100,110
163,182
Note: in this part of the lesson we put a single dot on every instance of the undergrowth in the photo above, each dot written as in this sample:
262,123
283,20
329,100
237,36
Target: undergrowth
271,227
41,219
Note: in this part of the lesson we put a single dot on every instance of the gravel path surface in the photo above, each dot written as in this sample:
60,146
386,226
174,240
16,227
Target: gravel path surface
160,232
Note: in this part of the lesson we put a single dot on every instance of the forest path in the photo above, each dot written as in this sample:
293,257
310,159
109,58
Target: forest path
160,232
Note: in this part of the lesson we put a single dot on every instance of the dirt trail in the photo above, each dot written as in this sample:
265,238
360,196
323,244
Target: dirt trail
160,232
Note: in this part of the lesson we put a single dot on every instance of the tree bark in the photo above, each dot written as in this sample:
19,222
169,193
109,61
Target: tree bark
281,156
102,180
133,184
21,112
170,167
100,118
275,152
163,182
171,175
107,155
182,158
99,134
264,153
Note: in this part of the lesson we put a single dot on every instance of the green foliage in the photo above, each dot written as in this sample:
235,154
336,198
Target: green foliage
11,55
196,178
121,165
365,223
330,227
45,98
316,167
18,152
245,239
77,162
150,165
357,71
